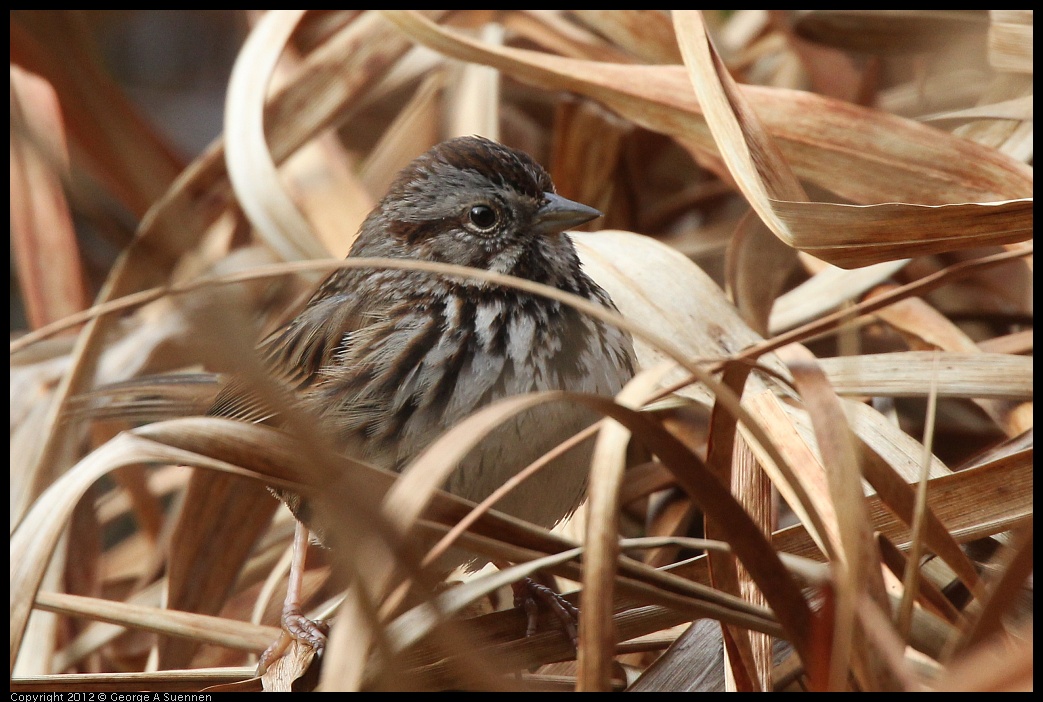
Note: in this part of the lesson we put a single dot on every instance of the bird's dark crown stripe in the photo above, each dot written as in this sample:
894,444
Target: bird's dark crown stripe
497,163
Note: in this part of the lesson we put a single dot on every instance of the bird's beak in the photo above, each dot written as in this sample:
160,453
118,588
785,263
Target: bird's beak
558,214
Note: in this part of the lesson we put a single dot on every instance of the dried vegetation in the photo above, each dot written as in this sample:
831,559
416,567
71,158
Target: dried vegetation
818,228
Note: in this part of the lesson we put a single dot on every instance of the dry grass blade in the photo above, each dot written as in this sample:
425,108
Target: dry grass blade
474,103
955,501
911,577
44,248
848,236
1015,567
217,509
872,305
928,593
597,644
1003,664
752,157
747,540
130,683
758,264
724,448
198,627
251,169
36,536
414,129
820,138
42,236
800,478
994,375
412,626
1014,109
858,572
752,483
645,33
860,235
826,291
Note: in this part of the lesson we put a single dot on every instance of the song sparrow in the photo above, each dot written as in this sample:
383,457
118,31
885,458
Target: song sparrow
389,359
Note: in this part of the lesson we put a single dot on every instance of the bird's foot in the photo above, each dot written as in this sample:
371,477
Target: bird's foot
295,627
530,595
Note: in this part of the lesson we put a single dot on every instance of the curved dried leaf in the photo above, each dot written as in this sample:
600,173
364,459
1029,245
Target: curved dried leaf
901,374
251,169
474,104
35,538
670,295
860,235
651,97
597,642
858,570
757,266
825,141
826,291
846,235
42,237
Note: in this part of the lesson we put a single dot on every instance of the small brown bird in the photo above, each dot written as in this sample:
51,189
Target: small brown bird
390,359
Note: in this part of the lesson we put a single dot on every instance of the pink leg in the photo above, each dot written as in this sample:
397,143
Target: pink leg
294,624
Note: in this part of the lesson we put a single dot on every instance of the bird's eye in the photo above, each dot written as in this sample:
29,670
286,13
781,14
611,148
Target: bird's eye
482,216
